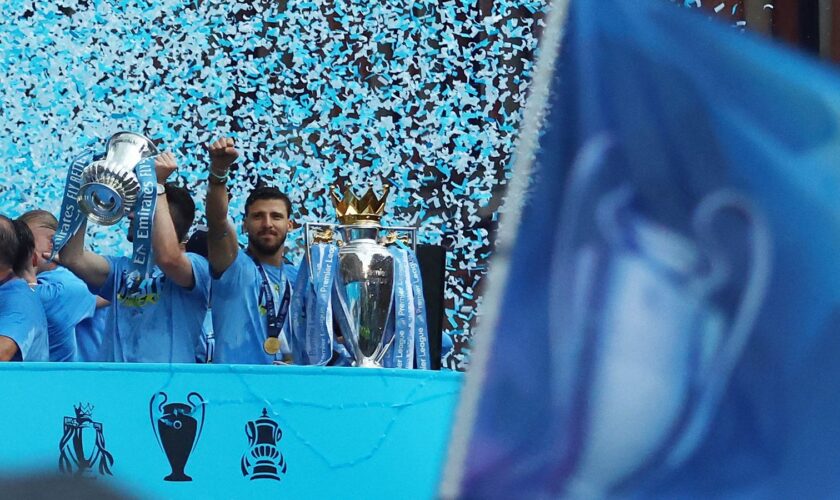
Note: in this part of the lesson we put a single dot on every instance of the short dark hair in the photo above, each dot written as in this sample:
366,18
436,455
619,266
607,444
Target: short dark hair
268,193
8,242
183,214
25,247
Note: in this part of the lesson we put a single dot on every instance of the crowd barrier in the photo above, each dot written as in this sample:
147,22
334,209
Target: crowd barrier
230,431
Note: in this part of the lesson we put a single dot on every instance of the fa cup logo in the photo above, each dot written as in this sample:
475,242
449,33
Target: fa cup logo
263,459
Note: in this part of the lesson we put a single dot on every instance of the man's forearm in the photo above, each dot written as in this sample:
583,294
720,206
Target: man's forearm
217,207
167,249
93,269
8,348
222,245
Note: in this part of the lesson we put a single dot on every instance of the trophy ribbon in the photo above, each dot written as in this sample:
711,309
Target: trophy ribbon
323,284
144,215
312,326
422,354
401,321
298,317
71,217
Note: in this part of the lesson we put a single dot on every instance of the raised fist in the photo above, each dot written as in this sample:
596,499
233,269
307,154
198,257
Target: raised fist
222,155
165,164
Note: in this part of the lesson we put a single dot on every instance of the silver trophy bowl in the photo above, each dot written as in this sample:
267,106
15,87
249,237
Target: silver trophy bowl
110,186
366,282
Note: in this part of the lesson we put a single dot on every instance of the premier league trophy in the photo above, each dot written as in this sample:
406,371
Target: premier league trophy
109,187
365,278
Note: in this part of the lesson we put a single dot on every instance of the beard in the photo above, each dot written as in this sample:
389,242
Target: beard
263,248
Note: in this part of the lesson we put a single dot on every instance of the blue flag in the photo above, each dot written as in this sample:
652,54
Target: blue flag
669,320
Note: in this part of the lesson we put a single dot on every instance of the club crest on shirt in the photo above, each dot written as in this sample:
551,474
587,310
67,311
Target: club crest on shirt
135,290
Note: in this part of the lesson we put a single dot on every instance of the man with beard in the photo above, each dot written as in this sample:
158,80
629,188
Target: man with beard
156,318
23,325
251,288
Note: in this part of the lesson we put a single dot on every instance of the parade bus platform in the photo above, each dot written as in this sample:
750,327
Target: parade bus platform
225,431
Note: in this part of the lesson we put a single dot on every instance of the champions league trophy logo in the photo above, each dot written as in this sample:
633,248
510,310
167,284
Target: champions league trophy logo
83,445
646,350
109,187
263,459
177,427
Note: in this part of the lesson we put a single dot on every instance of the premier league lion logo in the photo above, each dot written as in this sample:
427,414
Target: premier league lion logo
83,445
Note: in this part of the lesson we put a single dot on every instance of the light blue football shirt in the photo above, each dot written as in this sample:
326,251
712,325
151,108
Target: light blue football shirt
67,302
240,323
89,334
22,319
151,319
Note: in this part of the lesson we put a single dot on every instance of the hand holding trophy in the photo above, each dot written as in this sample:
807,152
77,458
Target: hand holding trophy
105,190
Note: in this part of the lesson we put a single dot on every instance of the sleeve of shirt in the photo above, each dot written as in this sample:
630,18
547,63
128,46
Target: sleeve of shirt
15,325
49,290
201,275
234,276
108,290
80,303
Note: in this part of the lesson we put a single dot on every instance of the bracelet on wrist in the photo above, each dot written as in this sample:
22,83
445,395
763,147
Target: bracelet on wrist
221,178
217,180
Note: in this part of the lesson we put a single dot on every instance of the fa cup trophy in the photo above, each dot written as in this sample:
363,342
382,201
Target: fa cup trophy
109,187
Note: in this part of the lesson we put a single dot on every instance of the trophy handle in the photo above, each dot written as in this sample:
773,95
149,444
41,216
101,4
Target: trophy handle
307,241
197,406
155,412
251,433
713,381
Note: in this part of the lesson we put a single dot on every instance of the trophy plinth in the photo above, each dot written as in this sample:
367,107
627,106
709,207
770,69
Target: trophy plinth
110,186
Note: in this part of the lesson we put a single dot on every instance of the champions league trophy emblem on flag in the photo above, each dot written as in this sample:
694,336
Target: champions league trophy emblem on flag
263,459
106,189
372,291
646,350
83,445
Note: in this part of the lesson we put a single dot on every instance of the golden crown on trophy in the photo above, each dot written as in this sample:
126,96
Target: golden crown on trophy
352,210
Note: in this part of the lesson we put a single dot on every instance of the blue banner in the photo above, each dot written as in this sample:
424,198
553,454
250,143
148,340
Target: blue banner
312,304
422,354
71,217
666,324
406,330
144,213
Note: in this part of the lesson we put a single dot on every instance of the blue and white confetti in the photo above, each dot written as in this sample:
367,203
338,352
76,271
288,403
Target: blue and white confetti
425,96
